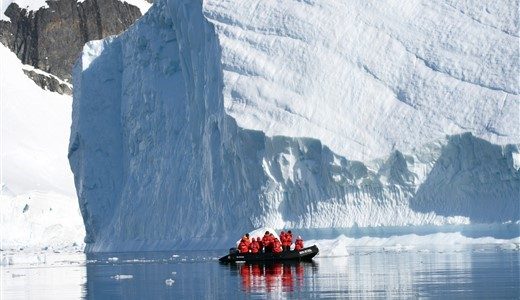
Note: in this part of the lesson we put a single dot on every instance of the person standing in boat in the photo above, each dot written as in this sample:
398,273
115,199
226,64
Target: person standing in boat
266,241
298,245
247,240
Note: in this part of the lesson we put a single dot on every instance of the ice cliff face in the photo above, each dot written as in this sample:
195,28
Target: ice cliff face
205,120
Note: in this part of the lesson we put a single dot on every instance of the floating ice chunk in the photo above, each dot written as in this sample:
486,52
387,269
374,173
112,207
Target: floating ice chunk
169,282
397,248
113,259
516,160
122,277
339,248
510,246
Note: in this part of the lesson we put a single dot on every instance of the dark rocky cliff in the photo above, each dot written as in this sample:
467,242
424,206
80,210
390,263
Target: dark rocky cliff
50,39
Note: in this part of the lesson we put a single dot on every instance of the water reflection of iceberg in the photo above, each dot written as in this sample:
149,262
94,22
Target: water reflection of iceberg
274,277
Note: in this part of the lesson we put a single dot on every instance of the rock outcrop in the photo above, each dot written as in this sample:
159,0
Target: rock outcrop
51,38
49,82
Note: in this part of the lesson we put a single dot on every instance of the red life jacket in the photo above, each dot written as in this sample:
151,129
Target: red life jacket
266,240
298,245
243,248
286,240
254,247
246,240
277,246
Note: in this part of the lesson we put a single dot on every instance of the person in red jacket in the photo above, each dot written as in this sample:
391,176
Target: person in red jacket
243,247
277,246
246,239
286,240
260,244
266,241
298,245
254,247
271,240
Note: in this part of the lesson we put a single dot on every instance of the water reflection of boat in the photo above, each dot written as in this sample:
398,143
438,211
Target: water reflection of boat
273,276
305,254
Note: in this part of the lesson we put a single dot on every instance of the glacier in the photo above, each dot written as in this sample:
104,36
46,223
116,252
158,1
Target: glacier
208,119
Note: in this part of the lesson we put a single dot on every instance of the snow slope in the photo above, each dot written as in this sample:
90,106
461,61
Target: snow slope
206,120
38,205
29,5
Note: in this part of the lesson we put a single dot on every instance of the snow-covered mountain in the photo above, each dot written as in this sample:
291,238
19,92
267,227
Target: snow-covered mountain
49,35
38,205
40,41
206,120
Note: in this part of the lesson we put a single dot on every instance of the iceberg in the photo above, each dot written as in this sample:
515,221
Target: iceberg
206,120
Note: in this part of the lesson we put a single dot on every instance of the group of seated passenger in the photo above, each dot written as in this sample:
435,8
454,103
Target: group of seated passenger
269,243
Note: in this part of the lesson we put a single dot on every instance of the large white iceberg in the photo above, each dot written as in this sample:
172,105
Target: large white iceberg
206,120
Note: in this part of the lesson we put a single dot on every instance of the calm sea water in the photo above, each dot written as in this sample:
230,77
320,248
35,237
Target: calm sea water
476,272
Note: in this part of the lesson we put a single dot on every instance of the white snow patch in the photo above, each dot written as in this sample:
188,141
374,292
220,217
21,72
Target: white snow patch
38,204
34,133
29,5
40,220
143,6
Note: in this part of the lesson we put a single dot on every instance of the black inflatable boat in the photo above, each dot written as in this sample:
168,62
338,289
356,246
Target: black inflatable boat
305,254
